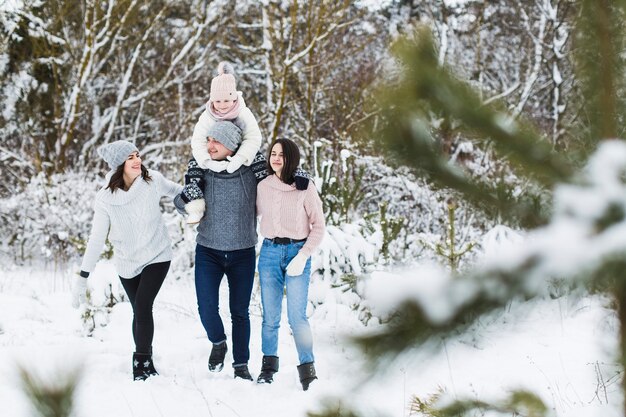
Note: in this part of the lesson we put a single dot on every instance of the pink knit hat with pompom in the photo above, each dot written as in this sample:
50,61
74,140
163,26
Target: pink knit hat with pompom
224,86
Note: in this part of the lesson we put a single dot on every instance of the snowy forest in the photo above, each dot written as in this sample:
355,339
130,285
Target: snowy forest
469,156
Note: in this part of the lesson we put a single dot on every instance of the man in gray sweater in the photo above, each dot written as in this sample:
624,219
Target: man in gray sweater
225,246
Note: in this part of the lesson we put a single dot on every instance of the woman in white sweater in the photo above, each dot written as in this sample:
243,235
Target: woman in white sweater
128,211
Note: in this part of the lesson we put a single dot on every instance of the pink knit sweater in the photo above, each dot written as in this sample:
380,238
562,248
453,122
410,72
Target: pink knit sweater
287,212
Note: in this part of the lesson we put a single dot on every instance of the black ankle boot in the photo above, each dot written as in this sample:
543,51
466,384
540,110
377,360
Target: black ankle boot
216,359
241,371
306,371
143,366
268,368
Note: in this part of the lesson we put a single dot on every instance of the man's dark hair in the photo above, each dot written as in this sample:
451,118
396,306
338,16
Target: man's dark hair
291,159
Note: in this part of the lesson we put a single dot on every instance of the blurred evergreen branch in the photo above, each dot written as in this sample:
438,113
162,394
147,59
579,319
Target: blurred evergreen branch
429,88
426,87
51,399
333,410
429,93
519,403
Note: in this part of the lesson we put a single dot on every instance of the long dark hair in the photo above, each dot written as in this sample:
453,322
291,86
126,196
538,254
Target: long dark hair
117,179
291,159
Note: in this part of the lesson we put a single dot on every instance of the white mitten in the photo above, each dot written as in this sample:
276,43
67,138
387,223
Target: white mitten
195,210
216,166
236,161
297,264
79,290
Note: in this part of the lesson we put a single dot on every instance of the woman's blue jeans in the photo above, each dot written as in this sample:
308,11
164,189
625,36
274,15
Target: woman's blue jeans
238,266
273,262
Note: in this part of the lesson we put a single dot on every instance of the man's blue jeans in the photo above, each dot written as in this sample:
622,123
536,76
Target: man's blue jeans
238,265
273,262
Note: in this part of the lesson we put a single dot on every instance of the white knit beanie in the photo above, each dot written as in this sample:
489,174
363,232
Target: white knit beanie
226,133
224,86
116,153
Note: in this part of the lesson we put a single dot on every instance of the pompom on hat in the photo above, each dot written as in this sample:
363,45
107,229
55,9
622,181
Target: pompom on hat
116,153
224,86
226,133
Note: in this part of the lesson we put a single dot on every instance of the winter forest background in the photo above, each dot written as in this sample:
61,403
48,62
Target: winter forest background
464,151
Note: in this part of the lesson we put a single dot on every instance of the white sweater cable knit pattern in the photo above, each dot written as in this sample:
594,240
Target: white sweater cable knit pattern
134,224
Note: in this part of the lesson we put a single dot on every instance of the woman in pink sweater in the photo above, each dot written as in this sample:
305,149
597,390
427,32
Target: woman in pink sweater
292,222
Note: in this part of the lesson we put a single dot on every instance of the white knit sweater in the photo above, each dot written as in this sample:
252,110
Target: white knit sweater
133,221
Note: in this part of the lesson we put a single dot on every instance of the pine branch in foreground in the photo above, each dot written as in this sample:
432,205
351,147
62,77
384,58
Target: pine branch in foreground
428,88
51,398
589,210
427,82
518,403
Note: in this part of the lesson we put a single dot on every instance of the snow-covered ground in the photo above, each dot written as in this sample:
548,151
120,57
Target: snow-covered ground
562,349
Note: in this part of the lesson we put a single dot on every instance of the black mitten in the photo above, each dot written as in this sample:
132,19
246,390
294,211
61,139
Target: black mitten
194,173
301,178
259,167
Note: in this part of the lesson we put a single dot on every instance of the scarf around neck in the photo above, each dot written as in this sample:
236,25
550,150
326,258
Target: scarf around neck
231,114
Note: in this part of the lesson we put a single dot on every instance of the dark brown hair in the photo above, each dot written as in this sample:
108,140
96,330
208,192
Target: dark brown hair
117,179
291,159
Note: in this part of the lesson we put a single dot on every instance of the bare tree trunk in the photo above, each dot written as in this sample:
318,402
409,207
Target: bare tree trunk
533,72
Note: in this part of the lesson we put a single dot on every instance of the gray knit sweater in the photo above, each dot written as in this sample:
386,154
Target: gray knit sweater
229,222
133,221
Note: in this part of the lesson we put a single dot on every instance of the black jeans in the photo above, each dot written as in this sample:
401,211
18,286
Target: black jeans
142,290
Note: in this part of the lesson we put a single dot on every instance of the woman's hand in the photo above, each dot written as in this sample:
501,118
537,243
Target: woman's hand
297,264
79,290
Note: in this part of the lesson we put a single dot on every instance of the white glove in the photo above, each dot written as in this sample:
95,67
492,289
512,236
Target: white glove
79,290
297,264
216,166
196,206
236,161
195,210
